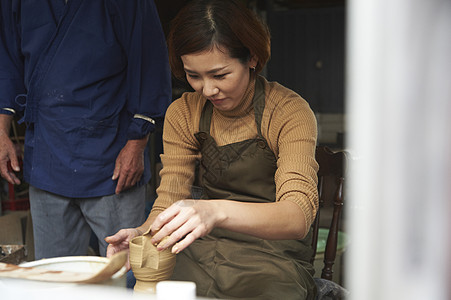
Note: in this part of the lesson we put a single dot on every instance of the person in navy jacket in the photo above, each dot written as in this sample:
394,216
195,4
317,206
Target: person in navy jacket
89,79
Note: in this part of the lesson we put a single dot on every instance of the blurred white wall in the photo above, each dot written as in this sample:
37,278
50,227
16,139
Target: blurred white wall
399,125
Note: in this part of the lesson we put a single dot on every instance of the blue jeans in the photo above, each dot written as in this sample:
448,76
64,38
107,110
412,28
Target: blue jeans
62,226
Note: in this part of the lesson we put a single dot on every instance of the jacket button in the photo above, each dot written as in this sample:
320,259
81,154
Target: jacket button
261,144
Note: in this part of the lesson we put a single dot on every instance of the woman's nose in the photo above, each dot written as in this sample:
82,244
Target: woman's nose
209,89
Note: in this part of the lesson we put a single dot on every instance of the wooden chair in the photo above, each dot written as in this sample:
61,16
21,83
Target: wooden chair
331,176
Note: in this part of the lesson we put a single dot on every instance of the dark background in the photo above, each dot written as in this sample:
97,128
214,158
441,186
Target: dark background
308,47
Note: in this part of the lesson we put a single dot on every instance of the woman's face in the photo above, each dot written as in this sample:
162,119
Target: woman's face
221,79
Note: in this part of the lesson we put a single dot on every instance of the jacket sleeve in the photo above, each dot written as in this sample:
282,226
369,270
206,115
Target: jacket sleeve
148,74
11,64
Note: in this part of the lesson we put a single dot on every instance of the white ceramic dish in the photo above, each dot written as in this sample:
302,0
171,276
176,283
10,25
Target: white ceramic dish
84,264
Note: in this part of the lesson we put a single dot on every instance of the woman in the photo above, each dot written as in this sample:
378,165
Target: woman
246,146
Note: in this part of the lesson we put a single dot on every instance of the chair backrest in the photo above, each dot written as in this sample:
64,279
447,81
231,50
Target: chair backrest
331,176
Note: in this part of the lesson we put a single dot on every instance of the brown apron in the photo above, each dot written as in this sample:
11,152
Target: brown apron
225,264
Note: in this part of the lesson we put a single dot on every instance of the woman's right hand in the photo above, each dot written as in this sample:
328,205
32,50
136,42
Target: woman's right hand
120,241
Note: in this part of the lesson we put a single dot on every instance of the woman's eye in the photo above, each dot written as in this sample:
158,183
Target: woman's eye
192,76
220,76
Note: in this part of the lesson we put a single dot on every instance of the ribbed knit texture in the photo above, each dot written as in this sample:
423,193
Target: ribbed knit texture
288,125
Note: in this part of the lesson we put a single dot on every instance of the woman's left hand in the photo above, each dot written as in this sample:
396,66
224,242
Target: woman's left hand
183,222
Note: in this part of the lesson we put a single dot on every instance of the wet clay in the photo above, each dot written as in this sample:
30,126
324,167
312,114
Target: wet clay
148,264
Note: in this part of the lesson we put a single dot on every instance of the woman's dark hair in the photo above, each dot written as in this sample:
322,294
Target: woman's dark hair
225,24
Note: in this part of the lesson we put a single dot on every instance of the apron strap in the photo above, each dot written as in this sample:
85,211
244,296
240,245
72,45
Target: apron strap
259,103
205,118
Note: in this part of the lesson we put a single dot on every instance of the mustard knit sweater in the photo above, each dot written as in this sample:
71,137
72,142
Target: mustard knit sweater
288,125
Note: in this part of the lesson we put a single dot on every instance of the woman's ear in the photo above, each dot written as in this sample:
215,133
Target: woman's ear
253,61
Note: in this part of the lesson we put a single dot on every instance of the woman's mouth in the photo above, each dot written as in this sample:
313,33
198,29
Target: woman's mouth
215,100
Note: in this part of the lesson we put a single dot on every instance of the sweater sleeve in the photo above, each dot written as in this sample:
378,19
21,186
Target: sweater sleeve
292,133
181,150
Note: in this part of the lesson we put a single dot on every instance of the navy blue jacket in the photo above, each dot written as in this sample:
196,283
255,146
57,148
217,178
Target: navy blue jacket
86,76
